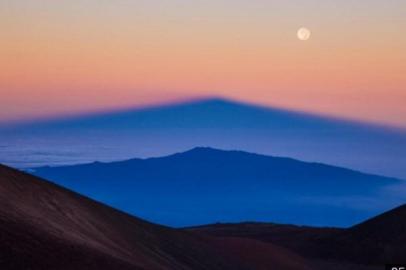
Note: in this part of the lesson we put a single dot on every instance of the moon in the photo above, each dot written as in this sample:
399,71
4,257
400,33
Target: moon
303,33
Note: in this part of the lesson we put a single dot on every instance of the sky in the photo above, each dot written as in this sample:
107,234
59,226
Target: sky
67,57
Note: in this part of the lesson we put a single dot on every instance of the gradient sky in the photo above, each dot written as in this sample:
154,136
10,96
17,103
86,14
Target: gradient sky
63,57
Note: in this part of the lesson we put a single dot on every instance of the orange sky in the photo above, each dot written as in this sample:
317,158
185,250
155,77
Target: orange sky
63,57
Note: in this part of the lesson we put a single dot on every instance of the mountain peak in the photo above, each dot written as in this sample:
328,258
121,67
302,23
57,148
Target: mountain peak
202,151
216,100
206,149
232,177
219,102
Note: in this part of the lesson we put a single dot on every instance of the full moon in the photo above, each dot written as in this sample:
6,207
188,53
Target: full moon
303,33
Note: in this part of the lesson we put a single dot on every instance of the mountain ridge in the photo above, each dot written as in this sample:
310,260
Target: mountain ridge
218,180
198,150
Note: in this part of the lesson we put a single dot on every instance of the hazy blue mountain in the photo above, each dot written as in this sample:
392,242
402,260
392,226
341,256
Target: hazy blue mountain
205,185
216,123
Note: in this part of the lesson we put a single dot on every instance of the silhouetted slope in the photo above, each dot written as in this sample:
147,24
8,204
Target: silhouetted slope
379,240
43,226
394,222
257,255
23,246
375,242
227,186
307,241
298,238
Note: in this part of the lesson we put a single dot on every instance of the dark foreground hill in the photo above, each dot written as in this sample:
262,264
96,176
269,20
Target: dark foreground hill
378,240
206,185
44,226
375,242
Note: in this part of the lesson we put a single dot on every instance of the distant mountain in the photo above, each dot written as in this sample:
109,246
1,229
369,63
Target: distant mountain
206,185
44,226
218,123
